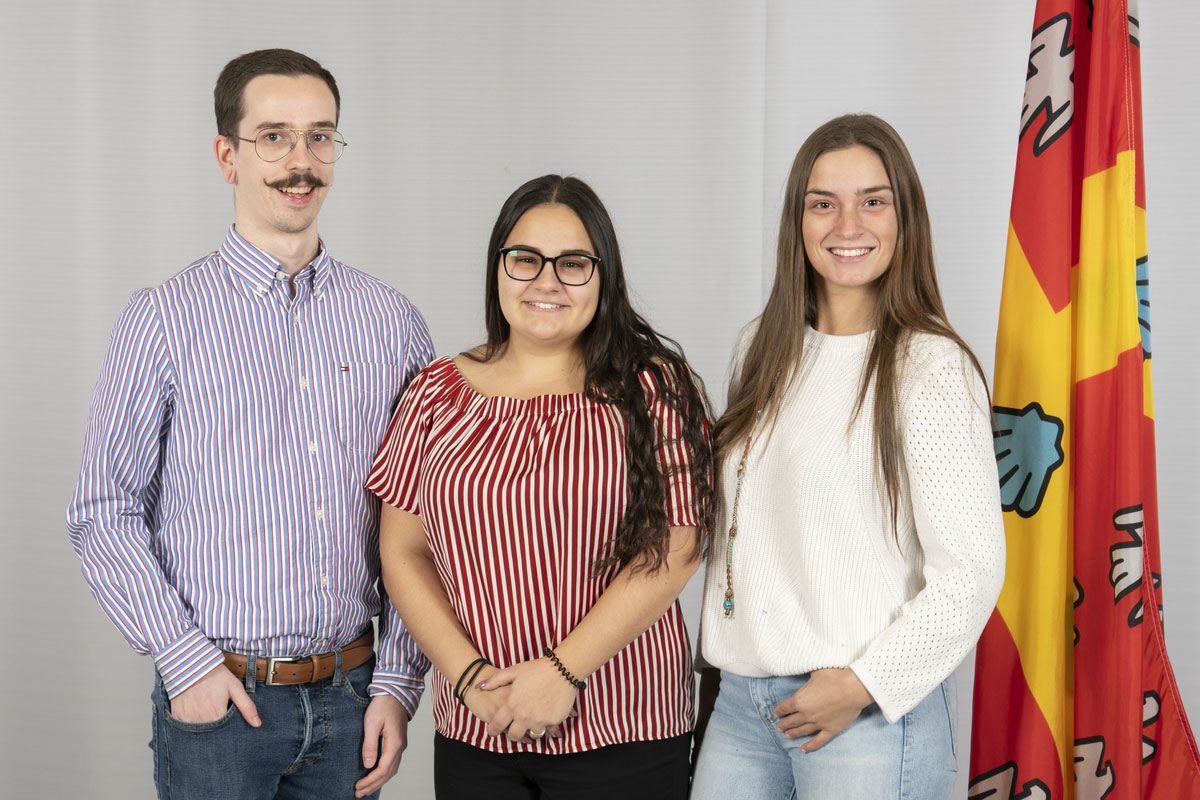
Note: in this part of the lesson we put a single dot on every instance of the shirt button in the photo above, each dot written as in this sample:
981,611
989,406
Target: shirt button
296,317
281,275
303,382
320,513
324,580
312,447
259,289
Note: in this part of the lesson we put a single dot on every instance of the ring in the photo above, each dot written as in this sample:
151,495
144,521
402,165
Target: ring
537,735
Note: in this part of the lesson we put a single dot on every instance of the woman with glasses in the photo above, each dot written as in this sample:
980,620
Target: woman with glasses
546,497
864,549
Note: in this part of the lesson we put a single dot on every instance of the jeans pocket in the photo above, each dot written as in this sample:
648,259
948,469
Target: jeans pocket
199,727
357,681
950,704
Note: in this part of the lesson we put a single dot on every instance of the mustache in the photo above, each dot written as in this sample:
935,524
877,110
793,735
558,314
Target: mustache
295,179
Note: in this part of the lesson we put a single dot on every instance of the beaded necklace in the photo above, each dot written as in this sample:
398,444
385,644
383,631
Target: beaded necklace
727,605
737,496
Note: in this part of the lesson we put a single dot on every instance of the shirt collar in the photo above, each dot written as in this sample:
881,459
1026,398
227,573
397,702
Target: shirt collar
258,269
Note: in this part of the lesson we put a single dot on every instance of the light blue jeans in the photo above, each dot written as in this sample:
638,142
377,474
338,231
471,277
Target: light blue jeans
744,756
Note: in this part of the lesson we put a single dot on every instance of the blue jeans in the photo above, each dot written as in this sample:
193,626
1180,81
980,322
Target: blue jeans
308,748
744,757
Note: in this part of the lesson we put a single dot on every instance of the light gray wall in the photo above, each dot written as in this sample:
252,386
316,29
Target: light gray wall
683,115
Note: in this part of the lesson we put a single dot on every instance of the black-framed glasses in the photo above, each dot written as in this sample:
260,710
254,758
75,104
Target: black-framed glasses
571,269
273,144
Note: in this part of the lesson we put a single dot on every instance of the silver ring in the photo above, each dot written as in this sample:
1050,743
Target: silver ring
533,735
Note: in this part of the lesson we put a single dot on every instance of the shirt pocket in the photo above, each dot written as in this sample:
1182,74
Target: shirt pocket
367,393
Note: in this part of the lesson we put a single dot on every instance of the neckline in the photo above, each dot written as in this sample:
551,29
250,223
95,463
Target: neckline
828,341
542,403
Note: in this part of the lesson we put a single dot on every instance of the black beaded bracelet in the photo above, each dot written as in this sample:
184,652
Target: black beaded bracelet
571,679
464,682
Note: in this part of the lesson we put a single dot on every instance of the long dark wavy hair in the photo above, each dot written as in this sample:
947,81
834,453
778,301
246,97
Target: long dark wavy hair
907,301
617,346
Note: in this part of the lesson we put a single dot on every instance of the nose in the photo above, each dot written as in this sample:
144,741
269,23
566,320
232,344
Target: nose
849,223
547,280
300,158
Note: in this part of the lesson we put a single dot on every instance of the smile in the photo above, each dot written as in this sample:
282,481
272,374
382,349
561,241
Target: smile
847,252
298,196
543,306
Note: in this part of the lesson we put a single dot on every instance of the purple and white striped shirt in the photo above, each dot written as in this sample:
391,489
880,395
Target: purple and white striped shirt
221,501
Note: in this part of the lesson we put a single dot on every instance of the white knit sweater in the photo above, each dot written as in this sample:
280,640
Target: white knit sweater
818,576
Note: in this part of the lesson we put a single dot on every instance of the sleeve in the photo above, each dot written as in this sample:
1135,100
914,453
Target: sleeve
395,474
951,468
419,350
108,520
673,454
401,666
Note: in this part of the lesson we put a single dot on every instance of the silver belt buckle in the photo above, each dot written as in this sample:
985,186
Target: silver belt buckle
271,662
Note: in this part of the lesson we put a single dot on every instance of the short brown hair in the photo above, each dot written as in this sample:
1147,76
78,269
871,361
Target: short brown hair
231,84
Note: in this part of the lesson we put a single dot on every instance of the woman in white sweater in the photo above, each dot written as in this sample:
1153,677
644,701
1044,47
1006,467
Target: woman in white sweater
862,547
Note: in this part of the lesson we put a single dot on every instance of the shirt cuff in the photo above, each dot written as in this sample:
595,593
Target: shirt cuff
405,688
186,660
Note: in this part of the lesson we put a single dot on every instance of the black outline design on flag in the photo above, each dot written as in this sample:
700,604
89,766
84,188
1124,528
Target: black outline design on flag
1046,104
979,790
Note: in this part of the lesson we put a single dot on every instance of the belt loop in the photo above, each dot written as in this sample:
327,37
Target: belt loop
338,676
251,672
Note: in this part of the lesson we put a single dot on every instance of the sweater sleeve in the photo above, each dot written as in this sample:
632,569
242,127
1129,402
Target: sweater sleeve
946,436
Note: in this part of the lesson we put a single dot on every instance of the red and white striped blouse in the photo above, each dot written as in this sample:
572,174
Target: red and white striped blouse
519,499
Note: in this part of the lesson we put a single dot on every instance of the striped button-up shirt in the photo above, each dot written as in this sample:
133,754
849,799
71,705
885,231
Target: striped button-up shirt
220,503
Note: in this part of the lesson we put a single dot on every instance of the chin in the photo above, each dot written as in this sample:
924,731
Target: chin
293,225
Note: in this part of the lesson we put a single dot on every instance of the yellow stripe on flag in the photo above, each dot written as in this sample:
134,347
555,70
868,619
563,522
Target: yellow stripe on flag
1105,293
1033,357
1147,380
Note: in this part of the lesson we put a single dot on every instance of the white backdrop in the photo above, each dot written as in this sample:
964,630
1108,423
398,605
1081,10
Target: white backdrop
683,115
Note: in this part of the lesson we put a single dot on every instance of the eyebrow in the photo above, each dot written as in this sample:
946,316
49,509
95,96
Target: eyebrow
868,190
533,249
315,126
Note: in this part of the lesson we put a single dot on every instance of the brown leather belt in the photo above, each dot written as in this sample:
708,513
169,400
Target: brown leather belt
303,669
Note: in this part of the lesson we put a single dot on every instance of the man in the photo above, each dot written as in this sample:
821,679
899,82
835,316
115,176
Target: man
220,514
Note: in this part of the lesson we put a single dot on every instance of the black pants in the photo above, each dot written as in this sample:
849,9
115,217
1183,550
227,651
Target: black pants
656,770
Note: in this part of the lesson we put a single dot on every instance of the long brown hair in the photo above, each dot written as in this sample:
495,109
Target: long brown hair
907,301
618,346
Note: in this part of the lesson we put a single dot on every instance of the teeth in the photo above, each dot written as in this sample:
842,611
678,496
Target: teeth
547,306
298,190
845,253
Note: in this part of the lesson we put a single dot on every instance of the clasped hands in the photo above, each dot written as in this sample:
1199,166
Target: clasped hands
523,702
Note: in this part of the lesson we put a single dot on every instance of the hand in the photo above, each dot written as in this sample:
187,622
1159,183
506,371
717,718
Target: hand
710,686
539,699
208,699
825,706
485,703
384,719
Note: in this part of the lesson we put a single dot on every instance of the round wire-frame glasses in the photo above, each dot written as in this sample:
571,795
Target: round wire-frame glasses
274,144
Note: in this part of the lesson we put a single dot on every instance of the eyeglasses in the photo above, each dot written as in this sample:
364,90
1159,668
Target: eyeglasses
571,269
273,144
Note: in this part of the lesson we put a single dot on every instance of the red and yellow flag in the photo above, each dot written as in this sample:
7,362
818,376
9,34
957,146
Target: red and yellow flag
1074,695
